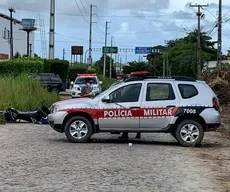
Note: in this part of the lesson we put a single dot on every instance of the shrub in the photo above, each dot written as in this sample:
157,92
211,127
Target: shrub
16,67
106,82
56,66
75,69
24,94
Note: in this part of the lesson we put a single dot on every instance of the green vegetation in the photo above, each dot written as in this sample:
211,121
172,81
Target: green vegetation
24,94
56,66
18,66
76,69
180,54
107,82
100,64
2,119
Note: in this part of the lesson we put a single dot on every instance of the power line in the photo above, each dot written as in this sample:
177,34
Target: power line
210,13
219,44
81,12
199,15
84,7
98,27
87,3
77,15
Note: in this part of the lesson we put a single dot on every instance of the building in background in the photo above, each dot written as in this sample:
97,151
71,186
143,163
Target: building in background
19,38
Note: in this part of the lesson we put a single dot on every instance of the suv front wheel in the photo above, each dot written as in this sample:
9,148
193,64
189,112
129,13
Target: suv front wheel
78,129
189,133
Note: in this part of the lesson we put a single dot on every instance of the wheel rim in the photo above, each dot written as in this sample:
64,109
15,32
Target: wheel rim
78,129
189,133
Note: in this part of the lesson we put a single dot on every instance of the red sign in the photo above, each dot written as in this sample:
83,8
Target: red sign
77,50
4,56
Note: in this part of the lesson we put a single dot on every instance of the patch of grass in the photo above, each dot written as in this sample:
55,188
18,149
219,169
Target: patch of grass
2,119
24,93
107,82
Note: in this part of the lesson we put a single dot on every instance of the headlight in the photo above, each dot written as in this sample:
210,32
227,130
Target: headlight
76,89
53,109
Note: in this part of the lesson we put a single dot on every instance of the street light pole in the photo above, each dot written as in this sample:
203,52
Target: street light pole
11,10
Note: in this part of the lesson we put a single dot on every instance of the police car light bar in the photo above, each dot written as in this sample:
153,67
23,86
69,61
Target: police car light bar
139,73
87,75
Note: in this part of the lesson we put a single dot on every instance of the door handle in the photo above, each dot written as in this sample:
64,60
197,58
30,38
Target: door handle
135,107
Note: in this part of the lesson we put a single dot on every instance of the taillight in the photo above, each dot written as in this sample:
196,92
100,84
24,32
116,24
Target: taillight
215,103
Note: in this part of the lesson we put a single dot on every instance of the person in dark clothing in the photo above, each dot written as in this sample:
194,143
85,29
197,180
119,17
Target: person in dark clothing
125,135
86,90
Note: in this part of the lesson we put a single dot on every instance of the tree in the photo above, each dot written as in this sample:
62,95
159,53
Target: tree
36,56
135,66
182,54
228,54
99,65
17,55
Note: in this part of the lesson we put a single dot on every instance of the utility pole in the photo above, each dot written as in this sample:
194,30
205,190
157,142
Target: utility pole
120,63
111,55
64,53
90,36
199,6
106,33
167,64
11,10
30,49
164,65
52,32
219,47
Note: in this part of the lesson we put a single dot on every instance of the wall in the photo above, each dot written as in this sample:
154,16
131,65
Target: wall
20,38
211,64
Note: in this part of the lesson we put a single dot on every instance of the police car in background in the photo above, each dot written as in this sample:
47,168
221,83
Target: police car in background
182,106
80,82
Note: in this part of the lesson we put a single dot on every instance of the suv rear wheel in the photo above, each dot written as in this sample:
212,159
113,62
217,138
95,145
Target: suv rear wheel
189,133
78,129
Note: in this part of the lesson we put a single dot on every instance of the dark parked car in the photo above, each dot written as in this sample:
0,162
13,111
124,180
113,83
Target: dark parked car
50,80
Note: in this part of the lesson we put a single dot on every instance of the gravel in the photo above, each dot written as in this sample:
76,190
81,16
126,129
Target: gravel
36,158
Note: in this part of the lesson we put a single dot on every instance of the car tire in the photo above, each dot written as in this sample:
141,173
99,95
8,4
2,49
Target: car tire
189,133
78,129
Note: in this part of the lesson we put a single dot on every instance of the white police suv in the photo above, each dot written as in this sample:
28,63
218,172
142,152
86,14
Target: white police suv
80,82
182,106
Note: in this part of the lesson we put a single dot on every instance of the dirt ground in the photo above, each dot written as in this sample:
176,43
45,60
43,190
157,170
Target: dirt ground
36,158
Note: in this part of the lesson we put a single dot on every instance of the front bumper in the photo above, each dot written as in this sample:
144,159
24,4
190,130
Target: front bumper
76,93
56,127
56,120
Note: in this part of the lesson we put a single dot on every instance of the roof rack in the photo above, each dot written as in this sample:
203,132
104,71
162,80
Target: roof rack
177,78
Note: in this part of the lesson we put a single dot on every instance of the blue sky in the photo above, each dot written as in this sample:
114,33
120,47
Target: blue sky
133,22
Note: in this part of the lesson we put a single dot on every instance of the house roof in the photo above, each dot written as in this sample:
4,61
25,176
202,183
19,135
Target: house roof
7,17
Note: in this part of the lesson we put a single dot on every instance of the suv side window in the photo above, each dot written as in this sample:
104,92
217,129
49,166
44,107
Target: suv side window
187,91
159,91
128,93
55,78
45,78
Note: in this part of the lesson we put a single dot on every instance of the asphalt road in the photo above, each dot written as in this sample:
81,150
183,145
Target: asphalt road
36,158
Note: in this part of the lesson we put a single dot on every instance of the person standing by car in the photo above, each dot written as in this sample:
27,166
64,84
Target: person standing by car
86,90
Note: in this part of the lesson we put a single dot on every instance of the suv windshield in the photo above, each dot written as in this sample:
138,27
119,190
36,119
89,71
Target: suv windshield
81,80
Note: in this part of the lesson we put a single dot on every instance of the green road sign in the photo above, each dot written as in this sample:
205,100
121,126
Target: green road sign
109,49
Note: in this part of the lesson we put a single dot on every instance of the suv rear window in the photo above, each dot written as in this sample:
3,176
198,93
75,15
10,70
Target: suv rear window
187,91
159,91
81,80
